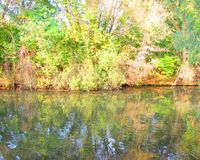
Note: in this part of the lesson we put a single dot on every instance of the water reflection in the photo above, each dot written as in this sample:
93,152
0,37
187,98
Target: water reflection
146,123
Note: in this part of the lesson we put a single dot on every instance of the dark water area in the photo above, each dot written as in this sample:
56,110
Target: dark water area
131,124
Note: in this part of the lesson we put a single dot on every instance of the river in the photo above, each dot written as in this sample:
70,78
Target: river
131,124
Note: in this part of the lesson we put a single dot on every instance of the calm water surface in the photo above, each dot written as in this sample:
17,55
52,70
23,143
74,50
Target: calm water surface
132,124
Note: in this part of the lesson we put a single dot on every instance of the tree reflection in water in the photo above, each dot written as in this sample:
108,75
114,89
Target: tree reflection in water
145,123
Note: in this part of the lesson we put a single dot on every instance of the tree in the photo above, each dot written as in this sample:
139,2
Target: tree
186,23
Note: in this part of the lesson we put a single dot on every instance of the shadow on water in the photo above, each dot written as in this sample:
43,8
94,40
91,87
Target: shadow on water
140,123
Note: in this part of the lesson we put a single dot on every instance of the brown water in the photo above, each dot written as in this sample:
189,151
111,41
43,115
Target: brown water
132,124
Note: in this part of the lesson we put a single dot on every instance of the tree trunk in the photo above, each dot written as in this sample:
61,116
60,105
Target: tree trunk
184,57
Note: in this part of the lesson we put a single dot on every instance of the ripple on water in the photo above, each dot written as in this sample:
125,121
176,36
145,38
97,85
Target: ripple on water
11,145
171,156
1,157
17,157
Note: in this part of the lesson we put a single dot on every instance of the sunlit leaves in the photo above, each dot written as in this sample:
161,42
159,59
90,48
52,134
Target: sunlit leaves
186,36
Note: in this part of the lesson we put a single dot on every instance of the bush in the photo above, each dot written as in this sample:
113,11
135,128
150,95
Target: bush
108,69
168,65
85,78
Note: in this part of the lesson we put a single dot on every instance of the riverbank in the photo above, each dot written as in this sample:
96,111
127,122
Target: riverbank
8,83
89,76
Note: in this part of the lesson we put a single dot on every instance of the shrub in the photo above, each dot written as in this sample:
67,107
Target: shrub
108,70
168,65
85,78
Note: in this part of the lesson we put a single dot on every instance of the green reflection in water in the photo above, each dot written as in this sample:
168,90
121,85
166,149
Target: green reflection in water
145,123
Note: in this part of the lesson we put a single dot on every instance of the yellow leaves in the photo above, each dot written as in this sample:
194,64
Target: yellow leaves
5,82
151,17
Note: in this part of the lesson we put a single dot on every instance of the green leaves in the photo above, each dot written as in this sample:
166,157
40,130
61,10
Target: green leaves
186,37
61,36
9,41
168,65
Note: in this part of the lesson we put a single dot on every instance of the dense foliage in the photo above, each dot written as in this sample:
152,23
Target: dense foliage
87,44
